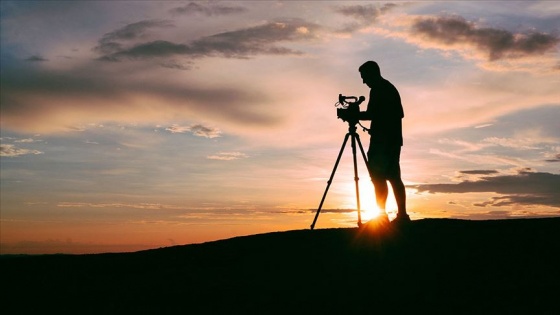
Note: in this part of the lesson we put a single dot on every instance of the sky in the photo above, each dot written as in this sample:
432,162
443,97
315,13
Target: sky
131,125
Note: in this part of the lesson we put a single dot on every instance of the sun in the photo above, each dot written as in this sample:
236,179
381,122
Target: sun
368,204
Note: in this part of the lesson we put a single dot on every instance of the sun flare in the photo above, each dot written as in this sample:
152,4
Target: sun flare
368,204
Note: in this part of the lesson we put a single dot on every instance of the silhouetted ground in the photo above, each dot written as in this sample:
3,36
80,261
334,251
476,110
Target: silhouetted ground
433,266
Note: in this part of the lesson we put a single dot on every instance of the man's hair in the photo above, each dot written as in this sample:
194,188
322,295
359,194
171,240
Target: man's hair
370,68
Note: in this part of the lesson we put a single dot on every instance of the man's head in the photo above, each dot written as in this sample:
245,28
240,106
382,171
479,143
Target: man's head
370,73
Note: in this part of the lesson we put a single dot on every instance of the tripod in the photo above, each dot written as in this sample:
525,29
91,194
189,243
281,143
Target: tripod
355,138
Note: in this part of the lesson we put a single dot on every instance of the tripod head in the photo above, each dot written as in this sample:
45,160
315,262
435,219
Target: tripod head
348,108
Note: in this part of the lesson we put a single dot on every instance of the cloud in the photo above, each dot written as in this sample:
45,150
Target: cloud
527,139
334,210
457,32
110,42
228,156
363,15
9,150
178,129
208,10
473,175
525,188
36,58
158,48
50,100
148,206
527,200
27,140
197,130
526,143
464,145
242,43
203,131
479,172
556,158
174,64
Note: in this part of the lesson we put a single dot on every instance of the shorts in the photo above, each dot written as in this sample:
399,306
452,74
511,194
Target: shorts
383,161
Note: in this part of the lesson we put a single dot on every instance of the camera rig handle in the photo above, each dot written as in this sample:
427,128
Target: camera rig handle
345,100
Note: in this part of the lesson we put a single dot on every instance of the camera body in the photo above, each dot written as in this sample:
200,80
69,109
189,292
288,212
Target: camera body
348,114
349,110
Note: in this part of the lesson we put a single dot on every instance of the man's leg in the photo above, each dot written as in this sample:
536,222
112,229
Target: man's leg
377,165
381,193
400,196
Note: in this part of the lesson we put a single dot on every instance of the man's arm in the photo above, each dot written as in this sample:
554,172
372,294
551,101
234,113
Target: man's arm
366,115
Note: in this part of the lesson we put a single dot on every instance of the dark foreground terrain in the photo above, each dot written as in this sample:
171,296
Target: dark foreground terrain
432,266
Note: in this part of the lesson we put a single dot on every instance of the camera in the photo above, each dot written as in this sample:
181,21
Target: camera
349,108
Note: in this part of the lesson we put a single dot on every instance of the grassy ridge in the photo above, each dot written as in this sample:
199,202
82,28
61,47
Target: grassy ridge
435,266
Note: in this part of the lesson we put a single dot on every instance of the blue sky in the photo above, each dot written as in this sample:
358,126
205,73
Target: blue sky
128,125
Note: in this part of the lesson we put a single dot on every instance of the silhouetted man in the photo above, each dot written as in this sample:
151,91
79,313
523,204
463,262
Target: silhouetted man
385,111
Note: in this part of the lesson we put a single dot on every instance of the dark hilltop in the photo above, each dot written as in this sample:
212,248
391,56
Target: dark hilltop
431,266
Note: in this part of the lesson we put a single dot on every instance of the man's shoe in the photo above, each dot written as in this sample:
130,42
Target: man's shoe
382,218
401,219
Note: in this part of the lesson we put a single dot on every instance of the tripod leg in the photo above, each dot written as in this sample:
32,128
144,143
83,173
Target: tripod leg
330,179
364,156
356,180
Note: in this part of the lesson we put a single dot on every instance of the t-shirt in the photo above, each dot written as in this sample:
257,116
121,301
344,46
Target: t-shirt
386,112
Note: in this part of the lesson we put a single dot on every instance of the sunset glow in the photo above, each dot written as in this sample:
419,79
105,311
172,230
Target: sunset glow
129,125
